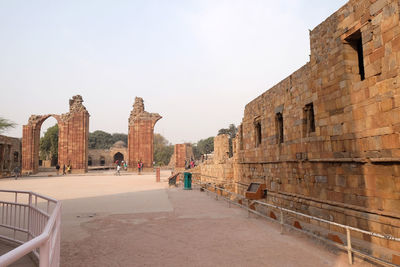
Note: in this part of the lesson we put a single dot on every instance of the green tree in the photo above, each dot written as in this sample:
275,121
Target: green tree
100,140
163,150
231,131
49,145
204,146
6,124
119,137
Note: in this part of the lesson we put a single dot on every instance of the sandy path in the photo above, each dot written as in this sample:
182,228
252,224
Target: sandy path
132,221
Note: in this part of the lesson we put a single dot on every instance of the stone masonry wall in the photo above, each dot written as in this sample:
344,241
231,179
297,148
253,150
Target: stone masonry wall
72,138
329,134
141,136
325,140
10,154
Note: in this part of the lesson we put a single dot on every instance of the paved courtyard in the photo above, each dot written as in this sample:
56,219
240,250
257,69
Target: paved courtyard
130,220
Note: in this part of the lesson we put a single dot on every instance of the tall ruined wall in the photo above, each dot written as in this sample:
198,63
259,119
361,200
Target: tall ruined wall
141,136
10,154
329,133
72,138
218,170
183,153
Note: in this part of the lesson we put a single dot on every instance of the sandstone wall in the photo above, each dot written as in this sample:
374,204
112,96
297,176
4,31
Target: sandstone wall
325,140
10,154
141,136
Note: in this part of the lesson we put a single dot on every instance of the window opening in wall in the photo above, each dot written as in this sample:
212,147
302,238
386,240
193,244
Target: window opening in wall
102,161
309,119
89,161
258,133
355,42
279,127
16,156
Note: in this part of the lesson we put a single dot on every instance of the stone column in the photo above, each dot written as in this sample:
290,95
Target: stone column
141,136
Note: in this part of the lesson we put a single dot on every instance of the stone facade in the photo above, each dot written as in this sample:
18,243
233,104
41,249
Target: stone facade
141,136
182,153
218,169
107,157
325,140
72,138
10,154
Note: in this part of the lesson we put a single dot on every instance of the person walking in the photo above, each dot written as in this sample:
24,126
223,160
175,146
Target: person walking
118,169
138,167
64,173
58,169
16,172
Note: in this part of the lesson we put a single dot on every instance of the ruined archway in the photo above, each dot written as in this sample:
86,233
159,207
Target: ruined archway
72,139
118,157
141,136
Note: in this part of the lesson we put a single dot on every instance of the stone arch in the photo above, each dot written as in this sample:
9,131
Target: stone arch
73,133
118,156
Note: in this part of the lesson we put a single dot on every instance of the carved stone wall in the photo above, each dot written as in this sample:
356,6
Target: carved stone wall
182,153
141,136
72,138
10,154
326,140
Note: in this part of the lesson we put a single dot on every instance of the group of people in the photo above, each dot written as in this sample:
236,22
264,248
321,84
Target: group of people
66,169
119,164
140,166
190,164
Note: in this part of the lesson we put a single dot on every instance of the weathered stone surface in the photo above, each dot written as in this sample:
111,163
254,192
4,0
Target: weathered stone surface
352,153
72,138
141,136
10,154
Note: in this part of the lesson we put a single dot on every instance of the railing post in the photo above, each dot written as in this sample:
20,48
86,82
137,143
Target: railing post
349,253
281,221
29,216
44,254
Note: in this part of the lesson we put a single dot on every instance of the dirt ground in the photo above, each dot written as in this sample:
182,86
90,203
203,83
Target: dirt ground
131,220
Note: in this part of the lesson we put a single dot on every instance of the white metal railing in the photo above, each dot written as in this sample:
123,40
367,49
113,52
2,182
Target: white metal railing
33,221
348,247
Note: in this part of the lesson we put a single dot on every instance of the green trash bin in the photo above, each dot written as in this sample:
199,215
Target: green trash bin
188,181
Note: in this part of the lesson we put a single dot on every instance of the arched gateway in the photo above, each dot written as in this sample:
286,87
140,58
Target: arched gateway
72,138
74,133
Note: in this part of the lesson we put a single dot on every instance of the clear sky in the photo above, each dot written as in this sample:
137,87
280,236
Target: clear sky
196,62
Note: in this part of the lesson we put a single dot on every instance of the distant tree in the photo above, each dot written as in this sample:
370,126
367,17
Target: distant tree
49,145
100,140
103,140
231,131
119,137
163,150
6,124
205,146
196,152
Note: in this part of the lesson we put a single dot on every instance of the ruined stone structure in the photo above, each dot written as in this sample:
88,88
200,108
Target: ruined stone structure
72,138
218,169
10,154
325,140
141,136
182,153
107,157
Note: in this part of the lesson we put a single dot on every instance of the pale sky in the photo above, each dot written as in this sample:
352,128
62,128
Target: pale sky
195,62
